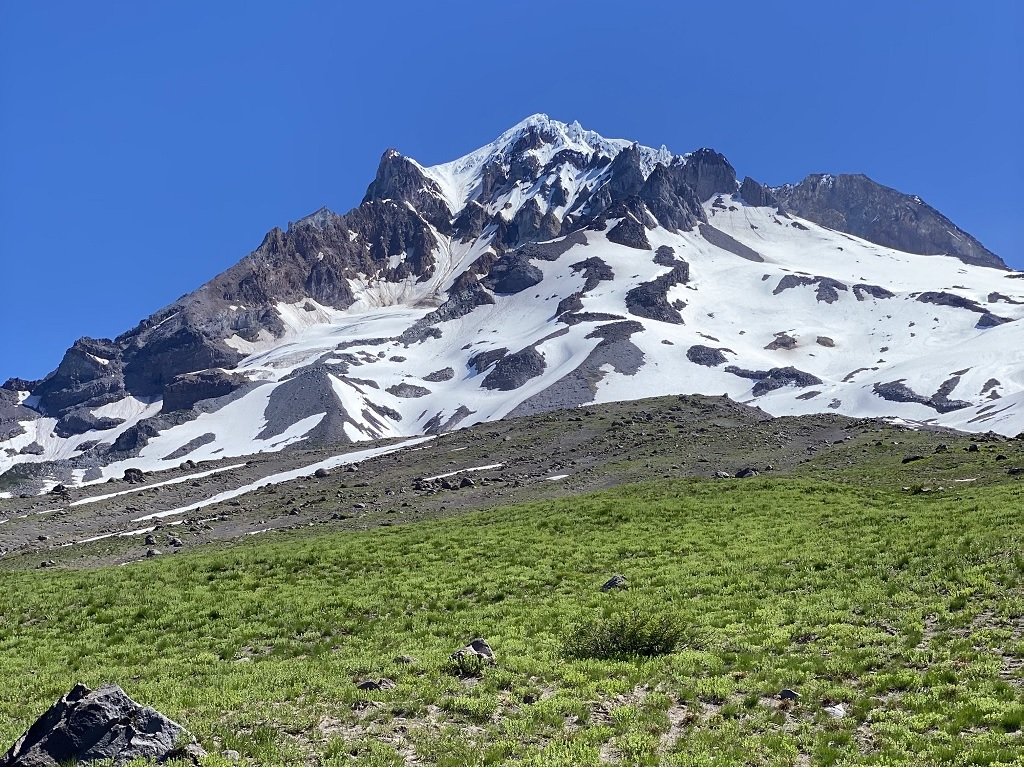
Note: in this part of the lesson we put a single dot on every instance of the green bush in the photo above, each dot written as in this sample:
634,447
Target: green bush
636,631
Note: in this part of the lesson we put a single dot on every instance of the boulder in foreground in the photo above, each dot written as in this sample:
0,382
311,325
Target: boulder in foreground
88,726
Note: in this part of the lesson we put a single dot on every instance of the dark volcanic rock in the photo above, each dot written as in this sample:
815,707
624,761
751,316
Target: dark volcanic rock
594,271
101,726
90,374
80,421
728,243
898,392
828,289
757,195
187,389
946,299
860,290
407,390
631,233
708,173
514,370
513,273
155,365
782,341
650,300
671,199
445,374
775,378
399,178
481,361
855,204
708,356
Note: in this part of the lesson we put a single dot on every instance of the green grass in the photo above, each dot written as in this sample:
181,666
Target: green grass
906,608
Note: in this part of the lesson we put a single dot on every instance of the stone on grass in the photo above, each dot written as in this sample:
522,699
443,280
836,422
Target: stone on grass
618,581
104,725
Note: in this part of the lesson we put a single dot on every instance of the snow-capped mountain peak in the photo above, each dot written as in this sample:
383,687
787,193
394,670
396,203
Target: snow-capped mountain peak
549,268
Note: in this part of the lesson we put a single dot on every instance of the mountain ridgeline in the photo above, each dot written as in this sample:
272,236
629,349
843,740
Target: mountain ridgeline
552,267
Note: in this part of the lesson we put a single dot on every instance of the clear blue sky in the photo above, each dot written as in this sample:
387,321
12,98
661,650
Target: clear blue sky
146,146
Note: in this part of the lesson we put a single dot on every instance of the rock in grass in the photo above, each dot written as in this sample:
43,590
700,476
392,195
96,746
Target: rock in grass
153,552
788,694
478,650
838,711
747,472
384,684
618,581
105,725
722,474
911,458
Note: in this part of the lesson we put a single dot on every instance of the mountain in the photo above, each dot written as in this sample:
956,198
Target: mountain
550,268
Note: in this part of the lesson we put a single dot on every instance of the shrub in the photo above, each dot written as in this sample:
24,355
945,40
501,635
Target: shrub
637,631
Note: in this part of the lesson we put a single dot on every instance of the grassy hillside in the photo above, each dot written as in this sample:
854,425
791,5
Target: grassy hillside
906,609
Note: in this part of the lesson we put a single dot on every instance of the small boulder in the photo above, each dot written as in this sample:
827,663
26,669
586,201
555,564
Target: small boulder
104,725
150,540
384,684
722,474
788,694
153,553
478,651
321,473
912,458
618,581
134,475
747,472
466,482
174,541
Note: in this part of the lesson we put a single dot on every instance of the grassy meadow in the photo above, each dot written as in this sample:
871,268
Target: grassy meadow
901,612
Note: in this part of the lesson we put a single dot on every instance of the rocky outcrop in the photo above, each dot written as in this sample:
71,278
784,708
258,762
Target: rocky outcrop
898,392
708,173
101,726
80,421
707,356
514,370
89,375
671,199
775,378
728,243
444,374
650,300
513,273
399,178
757,195
187,389
855,204
827,288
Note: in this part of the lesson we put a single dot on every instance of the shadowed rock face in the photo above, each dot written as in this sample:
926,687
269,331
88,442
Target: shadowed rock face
855,204
101,726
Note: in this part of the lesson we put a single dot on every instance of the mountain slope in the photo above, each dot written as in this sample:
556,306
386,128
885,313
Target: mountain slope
552,267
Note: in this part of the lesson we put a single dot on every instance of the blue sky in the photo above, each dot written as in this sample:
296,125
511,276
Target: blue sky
145,147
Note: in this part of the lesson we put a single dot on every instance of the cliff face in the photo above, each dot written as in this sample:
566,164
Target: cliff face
855,204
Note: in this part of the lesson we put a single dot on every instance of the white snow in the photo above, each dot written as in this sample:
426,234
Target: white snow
293,474
499,465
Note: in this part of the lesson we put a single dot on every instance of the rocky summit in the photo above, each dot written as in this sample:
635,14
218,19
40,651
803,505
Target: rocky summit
551,268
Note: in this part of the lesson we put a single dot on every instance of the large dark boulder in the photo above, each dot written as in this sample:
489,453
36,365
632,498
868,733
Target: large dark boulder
855,204
101,726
